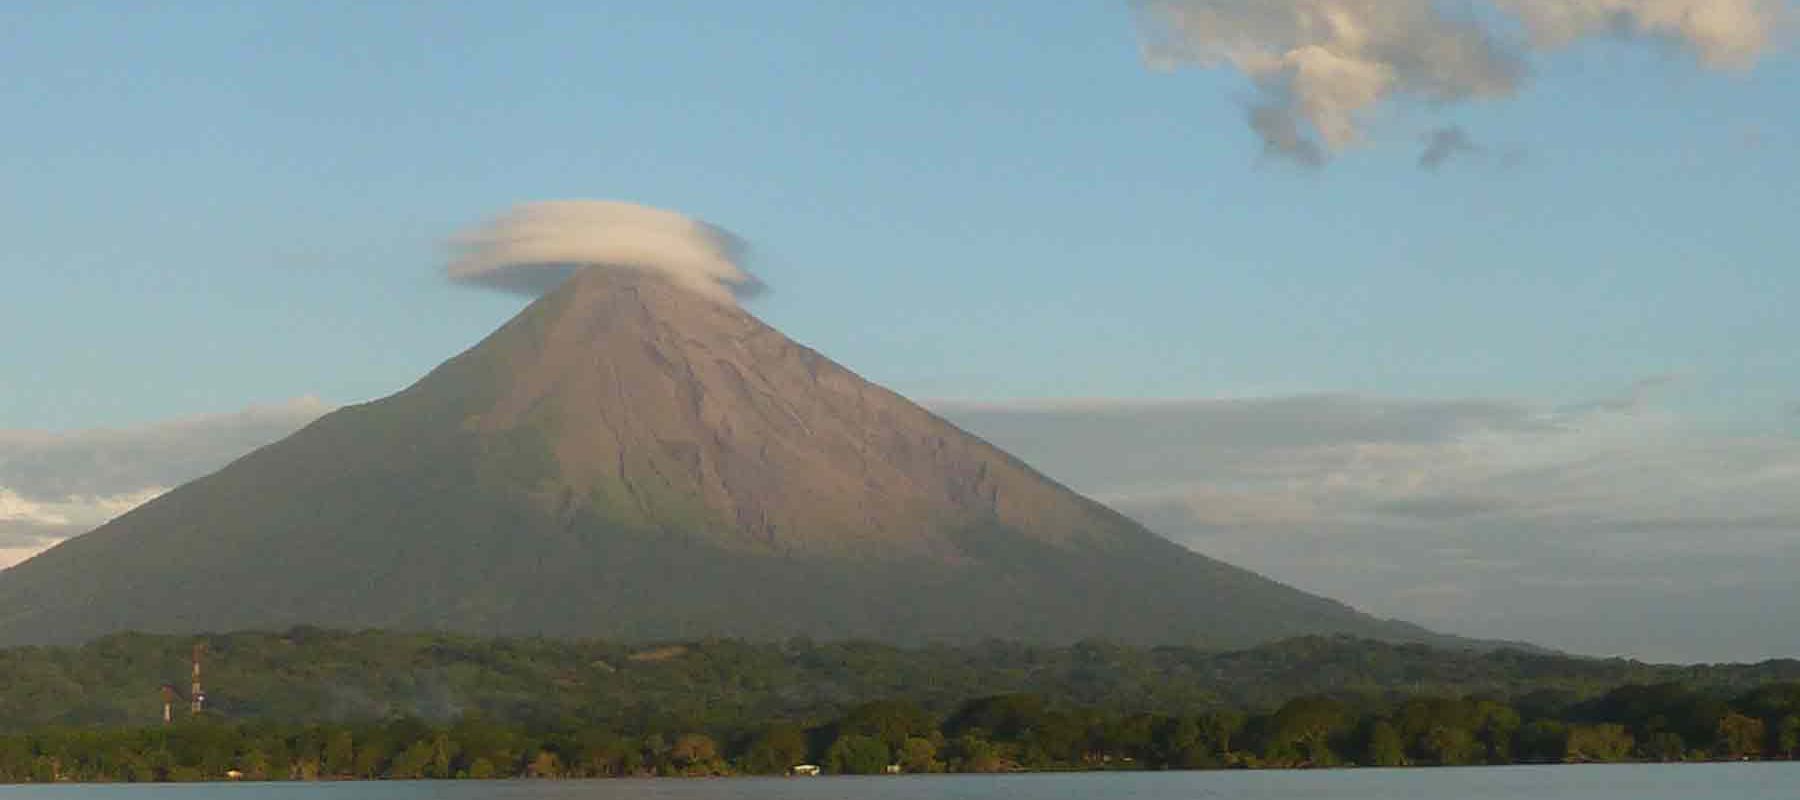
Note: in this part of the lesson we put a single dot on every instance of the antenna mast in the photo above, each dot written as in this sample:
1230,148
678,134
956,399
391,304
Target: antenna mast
197,700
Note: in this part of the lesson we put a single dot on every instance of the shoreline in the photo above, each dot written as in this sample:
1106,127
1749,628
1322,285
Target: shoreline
1019,773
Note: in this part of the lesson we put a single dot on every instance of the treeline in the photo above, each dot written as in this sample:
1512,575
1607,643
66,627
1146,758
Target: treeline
308,675
1663,722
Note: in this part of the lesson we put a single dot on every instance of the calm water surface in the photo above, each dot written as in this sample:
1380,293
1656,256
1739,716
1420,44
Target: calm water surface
1635,782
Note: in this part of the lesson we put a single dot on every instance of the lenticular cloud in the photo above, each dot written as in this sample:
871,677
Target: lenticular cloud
534,247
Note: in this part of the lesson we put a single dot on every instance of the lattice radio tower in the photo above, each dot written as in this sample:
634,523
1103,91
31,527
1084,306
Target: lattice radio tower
197,700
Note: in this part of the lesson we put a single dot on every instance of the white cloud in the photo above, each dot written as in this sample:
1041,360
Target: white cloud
13,555
105,461
1609,527
1724,34
71,511
534,247
57,484
28,527
1321,66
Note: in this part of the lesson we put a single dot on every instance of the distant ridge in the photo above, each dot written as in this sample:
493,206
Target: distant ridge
625,459
312,674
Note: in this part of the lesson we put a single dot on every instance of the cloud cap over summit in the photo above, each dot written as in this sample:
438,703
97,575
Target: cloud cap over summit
532,248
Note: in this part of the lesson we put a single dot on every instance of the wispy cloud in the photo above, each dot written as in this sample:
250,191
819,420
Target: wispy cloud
1444,144
28,526
56,484
1367,499
1320,66
1723,34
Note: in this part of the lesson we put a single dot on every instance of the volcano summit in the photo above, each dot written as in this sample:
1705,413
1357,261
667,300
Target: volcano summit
630,459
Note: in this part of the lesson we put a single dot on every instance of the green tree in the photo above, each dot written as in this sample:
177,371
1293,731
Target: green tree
854,754
443,757
412,762
372,757
1544,741
972,752
1664,746
775,750
1450,745
1382,746
1787,736
1647,710
1600,743
919,754
1131,738
1004,717
1497,728
1740,736
1221,729
1182,743
695,754
1305,730
891,721
340,754
544,765
1056,738
605,754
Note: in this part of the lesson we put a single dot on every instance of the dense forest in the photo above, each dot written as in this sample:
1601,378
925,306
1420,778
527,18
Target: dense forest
321,704
1663,722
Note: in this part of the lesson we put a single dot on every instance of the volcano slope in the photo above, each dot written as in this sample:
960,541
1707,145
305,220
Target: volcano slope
629,460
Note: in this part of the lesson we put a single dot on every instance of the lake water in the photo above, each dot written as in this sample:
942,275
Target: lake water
1629,782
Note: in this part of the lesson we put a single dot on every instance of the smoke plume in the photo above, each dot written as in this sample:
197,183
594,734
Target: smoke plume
533,248
1320,66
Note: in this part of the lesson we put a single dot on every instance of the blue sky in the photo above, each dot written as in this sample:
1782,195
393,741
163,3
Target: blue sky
1554,374
210,206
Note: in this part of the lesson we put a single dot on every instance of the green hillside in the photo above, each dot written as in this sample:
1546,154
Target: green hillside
310,675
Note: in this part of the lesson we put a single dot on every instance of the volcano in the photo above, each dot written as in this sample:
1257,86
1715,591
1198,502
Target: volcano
627,459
